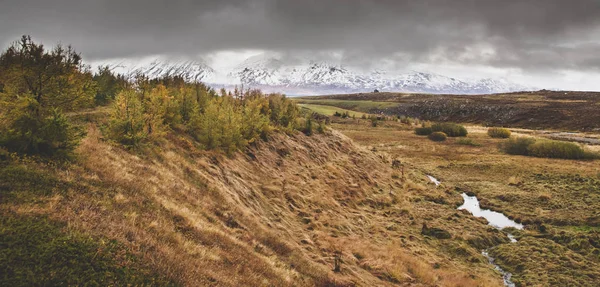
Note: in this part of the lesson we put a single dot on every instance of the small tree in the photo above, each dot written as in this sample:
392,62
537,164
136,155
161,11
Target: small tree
255,123
127,124
109,85
308,126
230,122
204,126
36,87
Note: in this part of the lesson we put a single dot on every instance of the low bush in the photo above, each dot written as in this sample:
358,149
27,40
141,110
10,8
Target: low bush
406,120
4,155
374,122
517,146
450,129
423,131
308,126
467,141
438,136
546,149
321,127
499,133
556,149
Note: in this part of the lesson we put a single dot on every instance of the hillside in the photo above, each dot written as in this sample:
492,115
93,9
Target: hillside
275,214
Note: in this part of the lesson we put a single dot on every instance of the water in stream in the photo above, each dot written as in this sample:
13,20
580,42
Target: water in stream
506,276
495,219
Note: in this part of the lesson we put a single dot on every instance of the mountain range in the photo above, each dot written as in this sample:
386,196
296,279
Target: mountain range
308,78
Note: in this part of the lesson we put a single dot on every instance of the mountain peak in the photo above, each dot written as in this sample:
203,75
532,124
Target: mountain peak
310,77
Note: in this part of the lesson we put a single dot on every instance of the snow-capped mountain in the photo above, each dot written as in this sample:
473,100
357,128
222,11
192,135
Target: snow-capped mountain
190,70
308,77
325,78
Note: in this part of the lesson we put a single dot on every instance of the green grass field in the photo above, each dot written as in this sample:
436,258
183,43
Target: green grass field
360,106
329,110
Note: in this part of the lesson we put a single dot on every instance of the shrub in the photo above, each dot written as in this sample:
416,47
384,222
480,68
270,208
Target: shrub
499,133
321,127
556,149
546,149
450,129
467,141
4,155
52,136
438,136
423,131
374,122
308,126
517,146
406,120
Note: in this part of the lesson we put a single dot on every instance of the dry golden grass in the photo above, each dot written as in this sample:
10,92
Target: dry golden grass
276,214
559,195
272,216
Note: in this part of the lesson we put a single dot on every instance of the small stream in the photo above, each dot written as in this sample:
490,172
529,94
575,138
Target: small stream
495,219
506,276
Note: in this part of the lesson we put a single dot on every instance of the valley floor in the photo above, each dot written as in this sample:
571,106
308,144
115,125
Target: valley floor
557,200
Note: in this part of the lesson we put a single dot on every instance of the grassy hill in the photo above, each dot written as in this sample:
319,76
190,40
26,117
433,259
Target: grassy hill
276,213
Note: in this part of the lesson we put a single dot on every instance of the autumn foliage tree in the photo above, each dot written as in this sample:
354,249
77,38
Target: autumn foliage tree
37,86
108,85
224,121
127,123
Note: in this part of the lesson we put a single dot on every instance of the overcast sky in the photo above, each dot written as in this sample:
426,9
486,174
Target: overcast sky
542,43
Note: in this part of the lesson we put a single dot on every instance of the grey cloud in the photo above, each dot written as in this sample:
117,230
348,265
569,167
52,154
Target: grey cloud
527,34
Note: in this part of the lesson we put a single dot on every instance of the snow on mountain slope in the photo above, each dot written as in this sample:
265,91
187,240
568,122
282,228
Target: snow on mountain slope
308,77
324,78
190,70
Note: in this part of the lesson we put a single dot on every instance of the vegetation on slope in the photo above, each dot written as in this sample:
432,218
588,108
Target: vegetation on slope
47,103
36,250
173,183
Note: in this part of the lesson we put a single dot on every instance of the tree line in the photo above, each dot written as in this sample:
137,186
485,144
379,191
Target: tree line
40,87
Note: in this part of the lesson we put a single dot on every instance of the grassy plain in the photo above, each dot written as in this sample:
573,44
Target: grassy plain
360,106
330,110
557,200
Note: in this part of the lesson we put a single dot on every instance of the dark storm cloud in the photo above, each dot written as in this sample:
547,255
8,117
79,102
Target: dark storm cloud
530,34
